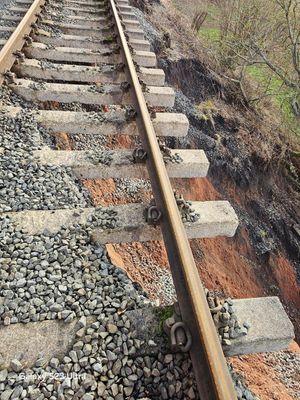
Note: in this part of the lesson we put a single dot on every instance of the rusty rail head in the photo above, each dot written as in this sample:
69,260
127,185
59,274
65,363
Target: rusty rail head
211,372
17,39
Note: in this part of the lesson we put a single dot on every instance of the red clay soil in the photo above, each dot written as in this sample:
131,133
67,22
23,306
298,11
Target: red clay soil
260,377
214,256
103,193
286,279
143,264
119,142
63,141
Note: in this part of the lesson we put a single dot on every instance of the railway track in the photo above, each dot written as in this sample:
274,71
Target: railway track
95,54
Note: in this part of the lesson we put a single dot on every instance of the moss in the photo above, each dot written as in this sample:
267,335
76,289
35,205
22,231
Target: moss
163,314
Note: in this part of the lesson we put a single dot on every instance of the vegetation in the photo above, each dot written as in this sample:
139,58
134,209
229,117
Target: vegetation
258,39
164,313
212,34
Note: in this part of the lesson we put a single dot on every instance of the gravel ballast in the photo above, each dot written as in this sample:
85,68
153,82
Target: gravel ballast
5,10
65,276
23,183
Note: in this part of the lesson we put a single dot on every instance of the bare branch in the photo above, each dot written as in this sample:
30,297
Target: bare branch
257,32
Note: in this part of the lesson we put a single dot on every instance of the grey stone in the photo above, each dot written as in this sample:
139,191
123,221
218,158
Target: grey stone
54,362
73,356
3,375
80,333
82,322
88,396
111,356
117,367
101,388
115,390
97,367
56,307
87,349
6,394
112,328
21,283
16,365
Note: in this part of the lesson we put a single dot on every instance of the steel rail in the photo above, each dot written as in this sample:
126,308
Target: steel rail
209,365
17,39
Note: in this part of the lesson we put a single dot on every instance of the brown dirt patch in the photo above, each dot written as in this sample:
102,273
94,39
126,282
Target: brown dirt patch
120,142
261,377
104,193
286,279
63,141
143,263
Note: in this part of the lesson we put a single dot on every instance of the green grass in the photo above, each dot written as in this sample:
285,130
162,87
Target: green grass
211,34
210,29
281,95
213,15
